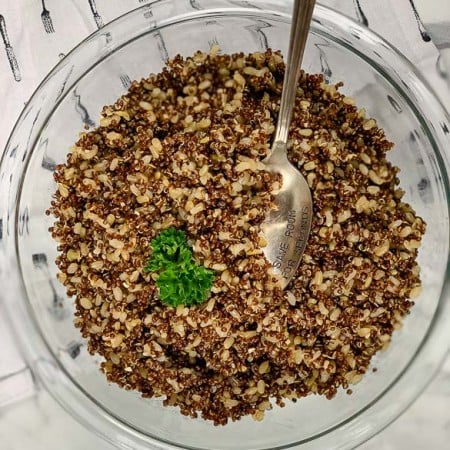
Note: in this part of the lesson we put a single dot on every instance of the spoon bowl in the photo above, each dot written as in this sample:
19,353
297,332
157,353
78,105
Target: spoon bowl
287,228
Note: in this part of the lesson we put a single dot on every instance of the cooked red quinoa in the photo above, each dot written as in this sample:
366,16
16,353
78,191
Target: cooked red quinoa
183,148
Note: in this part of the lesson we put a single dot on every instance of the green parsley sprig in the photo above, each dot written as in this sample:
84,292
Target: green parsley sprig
181,281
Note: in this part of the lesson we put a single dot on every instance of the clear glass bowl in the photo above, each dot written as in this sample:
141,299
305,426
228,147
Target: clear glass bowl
95,74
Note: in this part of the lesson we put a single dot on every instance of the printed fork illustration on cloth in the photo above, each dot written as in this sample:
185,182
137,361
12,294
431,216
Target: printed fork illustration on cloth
46,19
9,50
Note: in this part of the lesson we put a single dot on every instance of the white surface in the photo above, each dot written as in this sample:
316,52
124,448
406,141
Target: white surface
436,16
432,11
15,378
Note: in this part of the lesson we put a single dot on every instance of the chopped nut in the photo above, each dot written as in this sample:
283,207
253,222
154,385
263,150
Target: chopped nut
382,249
306,132
85,303
115,243
369,124
264,367
73,255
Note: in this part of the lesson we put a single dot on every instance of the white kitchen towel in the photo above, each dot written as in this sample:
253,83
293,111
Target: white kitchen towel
36,34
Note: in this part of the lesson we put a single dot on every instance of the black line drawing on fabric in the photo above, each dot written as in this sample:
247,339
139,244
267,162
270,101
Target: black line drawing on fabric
23,222
324,66
36,117
394,104
15,373
125,80
258,28
13,152
27,145
424,185
148,14
74,349
425,36
244,3
46,19
161,46
47,162
57,306
82,111
9,50
362,18
195,5
98,19
63,86
214,41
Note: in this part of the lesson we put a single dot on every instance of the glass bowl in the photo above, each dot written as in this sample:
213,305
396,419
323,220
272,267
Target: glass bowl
96,73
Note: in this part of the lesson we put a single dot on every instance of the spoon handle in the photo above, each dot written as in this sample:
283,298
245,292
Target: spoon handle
301,19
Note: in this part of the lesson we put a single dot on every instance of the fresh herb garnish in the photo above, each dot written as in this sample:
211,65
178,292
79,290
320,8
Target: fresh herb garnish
169,248
181,281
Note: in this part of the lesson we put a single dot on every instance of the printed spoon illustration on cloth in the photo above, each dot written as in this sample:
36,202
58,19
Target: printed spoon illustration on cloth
287,228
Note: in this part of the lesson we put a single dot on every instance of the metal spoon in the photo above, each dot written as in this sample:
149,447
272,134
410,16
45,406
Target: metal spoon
287,228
